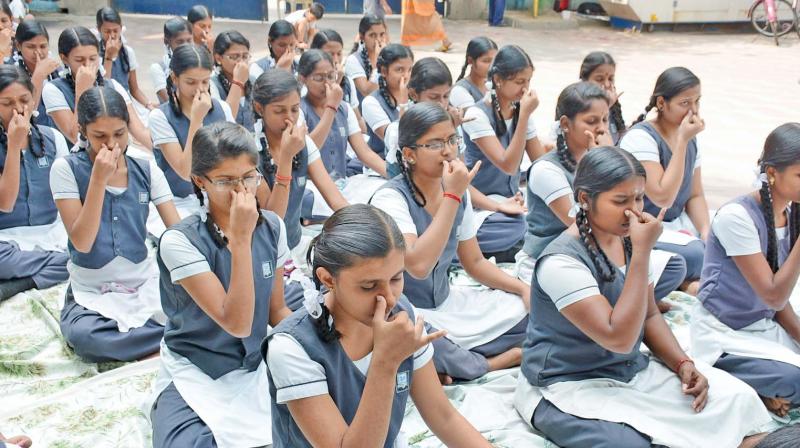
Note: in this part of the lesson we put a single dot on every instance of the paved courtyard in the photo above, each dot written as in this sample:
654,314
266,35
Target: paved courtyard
749,85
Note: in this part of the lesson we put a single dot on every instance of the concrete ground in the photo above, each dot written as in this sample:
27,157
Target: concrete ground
749,85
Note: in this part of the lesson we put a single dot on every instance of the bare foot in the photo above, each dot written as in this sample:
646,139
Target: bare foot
663,306
445,379
752,441
778,406
691,287
511,358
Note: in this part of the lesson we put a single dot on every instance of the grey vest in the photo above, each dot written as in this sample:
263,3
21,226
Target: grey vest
665,155
118,72
296,189
67,90
123,220
724,292
490,179
375,142
34,205
473,90
433,290
245,115
334,151
268,63
190,332
345,382
180,124
555,350
543,225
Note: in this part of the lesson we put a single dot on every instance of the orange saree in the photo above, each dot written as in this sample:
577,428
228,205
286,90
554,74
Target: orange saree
421,24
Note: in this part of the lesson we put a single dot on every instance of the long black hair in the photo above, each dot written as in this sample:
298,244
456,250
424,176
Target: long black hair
71,38
781,150
212,145
197,13
278,29
388,56
509,61
350,235
271,86
310,59
172,28
321,38
669,85
186,57
574,99
108,14
11,74
99,102
428,73
476,48
600,170
367,22
590,63
222,43
415,123
27,30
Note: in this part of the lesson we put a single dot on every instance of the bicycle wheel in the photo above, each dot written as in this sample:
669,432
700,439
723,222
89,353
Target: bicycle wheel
786,19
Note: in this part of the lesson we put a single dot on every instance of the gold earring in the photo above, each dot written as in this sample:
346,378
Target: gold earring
771,181
410,161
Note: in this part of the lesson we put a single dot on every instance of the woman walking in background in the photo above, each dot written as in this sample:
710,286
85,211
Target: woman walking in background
421,25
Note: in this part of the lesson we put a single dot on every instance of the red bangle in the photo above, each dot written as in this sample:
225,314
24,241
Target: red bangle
238,83
334,109
452,196
280,178
681,363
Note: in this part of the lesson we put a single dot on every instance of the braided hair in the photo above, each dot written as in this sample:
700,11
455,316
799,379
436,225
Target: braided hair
71,38
388,56
271,86
510,60
366,23
96,103
185,57
574,99
222,43
323,37
592,62
781,150
212,145
670,84
350,235
415,123
476,48
600,170
11,74
110,15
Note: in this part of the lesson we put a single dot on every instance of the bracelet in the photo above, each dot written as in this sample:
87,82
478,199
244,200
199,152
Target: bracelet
279,178
334,109
452,196
403,106
681,363
238,84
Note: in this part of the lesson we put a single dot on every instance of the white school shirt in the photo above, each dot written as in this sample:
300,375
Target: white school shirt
163,133
737,232
645,148
548,182
480,126
183,260
354,70
394,204
159,74
18,9
567,280
55,101
461,98
373,113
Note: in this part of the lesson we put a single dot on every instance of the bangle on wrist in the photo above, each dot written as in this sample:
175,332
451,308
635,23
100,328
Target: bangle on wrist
238,84
452,196
286,179
681,363
403,106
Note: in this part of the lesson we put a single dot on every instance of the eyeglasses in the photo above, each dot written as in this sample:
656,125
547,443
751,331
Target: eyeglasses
236,57
250,182
320,77
454,141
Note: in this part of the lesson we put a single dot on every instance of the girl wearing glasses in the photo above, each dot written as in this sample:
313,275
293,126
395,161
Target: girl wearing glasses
112,309
332,124
174,123
432,207
230,82
221,285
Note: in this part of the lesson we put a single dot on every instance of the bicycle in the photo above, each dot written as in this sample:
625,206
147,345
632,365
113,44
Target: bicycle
774,18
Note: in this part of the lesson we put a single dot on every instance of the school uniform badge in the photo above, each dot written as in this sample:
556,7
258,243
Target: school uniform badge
402,382
144,197
266,269
42,162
